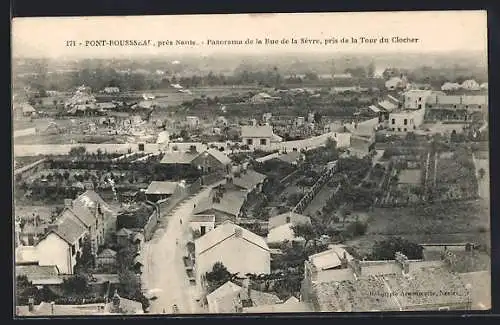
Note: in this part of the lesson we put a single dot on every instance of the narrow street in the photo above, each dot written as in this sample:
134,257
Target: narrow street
164,272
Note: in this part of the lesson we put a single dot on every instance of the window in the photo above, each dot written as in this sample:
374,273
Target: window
399,129
287,219
419,99
419,105
466,106
454,106
80,242
249,142
479,106
73,249
405,121
263,142
393,129
393,121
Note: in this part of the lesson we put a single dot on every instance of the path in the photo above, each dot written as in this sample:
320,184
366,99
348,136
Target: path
164,266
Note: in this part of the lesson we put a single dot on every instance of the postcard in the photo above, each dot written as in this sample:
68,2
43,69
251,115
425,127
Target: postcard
251,163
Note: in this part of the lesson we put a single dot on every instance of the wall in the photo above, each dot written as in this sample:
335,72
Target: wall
55,251
414,120
196,226
230,252
63,149
416,99
24,132
150,226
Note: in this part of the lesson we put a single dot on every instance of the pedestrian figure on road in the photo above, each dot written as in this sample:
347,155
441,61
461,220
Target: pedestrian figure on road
180,220
164,310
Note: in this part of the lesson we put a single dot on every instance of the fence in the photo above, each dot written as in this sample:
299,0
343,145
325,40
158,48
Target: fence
309,196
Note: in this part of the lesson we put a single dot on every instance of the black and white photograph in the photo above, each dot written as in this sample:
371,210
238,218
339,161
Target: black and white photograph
250,164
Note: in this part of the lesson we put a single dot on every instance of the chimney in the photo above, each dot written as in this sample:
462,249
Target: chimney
115,301
343,260
402,261
245,294
68,203
238,232
31,304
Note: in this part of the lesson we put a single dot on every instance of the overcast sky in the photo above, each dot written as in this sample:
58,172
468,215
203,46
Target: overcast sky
436,31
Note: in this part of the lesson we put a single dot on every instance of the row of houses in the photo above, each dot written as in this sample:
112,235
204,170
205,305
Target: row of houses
62,241
334,280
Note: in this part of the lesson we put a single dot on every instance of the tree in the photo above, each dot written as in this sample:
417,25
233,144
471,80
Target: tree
129,283
85,260
218,276
317,118
76,284
385,249
357,228
24,290
77,151
306,231
481,173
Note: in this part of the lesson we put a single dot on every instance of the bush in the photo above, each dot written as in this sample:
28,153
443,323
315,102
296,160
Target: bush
386,249
357,228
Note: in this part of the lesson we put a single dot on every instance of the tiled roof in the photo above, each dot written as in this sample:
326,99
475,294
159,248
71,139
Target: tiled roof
202,218
223,232
68,229
387,105
165,187
260,298
428,280
84,207
35,272
388,289
281,219
178,158
230,203
262,131
220,156
248,179
362,295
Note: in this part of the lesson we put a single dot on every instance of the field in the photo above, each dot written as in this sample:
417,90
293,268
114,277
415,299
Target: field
410,176
440,222
171,97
